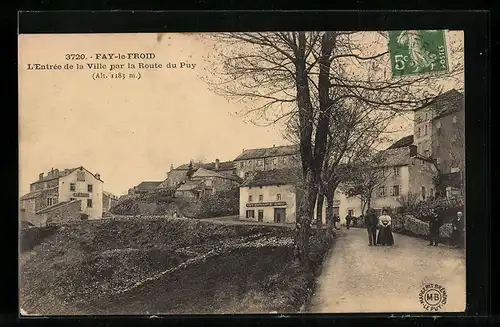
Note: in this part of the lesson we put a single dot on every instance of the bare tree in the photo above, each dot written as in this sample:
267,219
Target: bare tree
365,176
302,76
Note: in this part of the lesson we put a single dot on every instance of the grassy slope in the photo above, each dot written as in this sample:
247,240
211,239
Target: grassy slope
80,269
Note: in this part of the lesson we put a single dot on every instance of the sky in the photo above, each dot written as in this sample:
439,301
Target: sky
127,130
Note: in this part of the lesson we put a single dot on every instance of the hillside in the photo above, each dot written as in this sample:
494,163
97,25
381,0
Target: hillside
225,203
165,266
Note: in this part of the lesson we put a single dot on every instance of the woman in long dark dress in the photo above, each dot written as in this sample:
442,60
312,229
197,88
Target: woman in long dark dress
384,236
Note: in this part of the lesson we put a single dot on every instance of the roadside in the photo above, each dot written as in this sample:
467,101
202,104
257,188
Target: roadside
359,278
166,266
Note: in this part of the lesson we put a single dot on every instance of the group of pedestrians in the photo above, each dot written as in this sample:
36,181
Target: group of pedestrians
384,236
458,226
383,224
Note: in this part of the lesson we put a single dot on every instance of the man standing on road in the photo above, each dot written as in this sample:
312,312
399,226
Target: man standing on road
348,219
371,222
435,222
458,228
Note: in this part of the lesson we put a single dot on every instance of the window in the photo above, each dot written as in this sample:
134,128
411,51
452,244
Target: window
89,203
246,174
381,191
418,132
250,214
284,160
249,198
396,171
261,197
454,170
274,161
350,212
50,201
425,129
278,197
260,215
395,190
455,119
249,162
423,192
89,188
259,162
208,183
242,164
80,176
431,192
72,187
72,199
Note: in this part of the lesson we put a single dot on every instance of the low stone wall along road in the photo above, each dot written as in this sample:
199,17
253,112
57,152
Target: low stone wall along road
361,278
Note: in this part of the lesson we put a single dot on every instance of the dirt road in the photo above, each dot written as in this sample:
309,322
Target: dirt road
360,278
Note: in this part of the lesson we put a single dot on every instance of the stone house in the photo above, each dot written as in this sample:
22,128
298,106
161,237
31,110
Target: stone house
405,173
109,200
206,182
176,176
60,189
276,157
270,196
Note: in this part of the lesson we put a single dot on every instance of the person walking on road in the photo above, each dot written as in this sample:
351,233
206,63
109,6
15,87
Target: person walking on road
371,222
348,220
385,237
458,229
435,223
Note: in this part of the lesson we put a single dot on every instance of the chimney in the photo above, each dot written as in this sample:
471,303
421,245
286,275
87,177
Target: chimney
52,172
413,151
171,167
40,176
56,172
216,164
273,145
98,176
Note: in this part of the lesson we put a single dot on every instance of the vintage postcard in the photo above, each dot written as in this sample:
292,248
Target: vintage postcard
240,173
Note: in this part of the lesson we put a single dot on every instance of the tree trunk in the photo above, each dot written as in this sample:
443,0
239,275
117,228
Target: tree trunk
319,209
304,215
329,208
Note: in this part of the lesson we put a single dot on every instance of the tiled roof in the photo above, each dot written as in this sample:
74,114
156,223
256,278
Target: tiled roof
201,172
395,157
226,165
273,177
275,151
35,194
189,185
405,141
62,173
31,195
447,103
147,185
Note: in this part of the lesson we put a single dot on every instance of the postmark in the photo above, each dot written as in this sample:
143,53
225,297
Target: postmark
433,297
418,52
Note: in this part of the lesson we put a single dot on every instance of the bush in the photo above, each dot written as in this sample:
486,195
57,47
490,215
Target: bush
224,203
417,227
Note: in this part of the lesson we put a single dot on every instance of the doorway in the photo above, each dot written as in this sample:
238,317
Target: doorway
279,215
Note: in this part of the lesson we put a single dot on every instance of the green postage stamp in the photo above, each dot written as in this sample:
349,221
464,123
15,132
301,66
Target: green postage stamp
416,52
